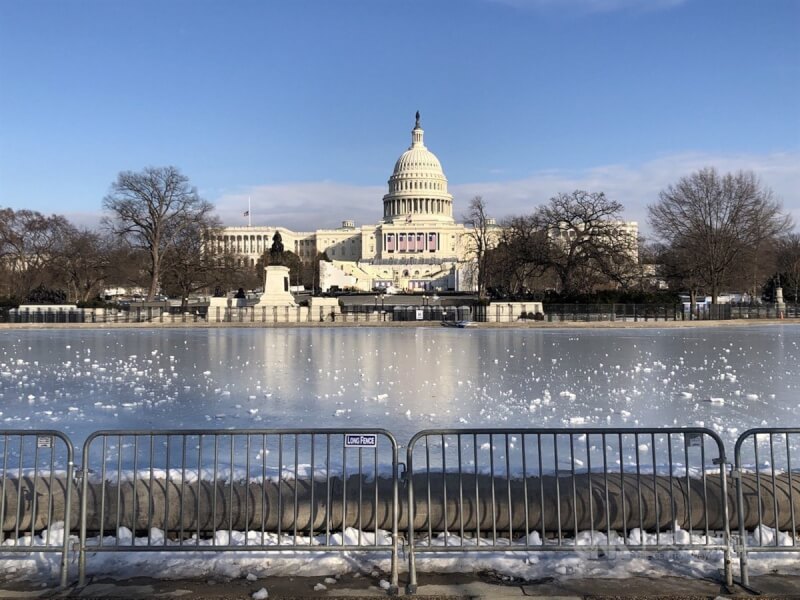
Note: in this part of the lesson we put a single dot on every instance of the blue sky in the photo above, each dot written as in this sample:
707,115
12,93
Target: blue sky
304,106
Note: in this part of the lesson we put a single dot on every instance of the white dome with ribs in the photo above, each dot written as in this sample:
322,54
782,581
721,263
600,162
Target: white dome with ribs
418,187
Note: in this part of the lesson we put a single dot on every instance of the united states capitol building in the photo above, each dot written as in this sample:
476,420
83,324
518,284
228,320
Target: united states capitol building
417,245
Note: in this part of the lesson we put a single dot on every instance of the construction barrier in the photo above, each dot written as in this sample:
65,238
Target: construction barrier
337,490
767,492
36,493
532,490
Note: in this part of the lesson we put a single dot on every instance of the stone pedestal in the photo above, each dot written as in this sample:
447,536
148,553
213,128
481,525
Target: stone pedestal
276,288
507,312
323,309
219,308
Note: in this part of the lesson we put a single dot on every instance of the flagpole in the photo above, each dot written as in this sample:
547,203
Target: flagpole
249,215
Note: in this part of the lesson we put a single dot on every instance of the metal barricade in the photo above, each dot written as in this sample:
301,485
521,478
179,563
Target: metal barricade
767,492
35,493
312,490
528,490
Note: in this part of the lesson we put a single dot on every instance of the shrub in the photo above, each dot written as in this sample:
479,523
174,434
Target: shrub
45,295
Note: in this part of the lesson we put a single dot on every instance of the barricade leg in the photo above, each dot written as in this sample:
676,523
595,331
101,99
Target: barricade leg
411,587
67,513
744,574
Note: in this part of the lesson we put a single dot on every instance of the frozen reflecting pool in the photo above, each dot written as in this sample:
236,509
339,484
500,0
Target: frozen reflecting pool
403,380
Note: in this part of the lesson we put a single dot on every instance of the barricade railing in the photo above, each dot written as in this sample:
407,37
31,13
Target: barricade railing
310,490
767,473
765,311
468,490
613,312
35,493
528,490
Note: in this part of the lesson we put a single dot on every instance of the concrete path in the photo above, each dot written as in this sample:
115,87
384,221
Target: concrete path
439,586
651,324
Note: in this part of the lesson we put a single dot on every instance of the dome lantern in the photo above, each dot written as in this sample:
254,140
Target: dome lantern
417,134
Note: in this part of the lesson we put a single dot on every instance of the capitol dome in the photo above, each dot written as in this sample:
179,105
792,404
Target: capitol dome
416,160
417,187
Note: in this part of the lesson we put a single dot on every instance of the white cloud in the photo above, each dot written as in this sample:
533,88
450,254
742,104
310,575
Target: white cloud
310,206
83,219
302,206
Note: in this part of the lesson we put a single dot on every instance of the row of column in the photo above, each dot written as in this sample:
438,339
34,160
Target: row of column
244,244
402,186
404,206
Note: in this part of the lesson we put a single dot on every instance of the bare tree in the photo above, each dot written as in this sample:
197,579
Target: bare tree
84,262
126,265
190,263
151,210
679,271
587,242
520,257
480,239
711,220
30,242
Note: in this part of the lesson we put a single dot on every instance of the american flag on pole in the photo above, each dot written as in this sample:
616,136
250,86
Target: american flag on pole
247,213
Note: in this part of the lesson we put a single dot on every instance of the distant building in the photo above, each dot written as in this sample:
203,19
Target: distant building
416,246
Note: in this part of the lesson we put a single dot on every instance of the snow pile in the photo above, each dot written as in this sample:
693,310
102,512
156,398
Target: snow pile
620,557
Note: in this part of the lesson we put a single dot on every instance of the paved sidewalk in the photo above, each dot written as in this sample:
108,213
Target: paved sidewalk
620,324
439,586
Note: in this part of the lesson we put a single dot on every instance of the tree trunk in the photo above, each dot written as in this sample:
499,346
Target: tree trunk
154,259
